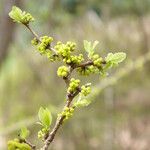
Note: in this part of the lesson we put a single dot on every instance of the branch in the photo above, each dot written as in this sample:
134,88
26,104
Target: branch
38,38
31,145
33,32
88,63
59,122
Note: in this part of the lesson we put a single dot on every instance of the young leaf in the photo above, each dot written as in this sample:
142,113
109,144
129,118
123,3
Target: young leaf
16,14
87,46
95,44
24,133
116,58
45,117
20,16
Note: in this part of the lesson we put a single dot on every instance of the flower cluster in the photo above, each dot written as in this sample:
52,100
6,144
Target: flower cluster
16,145
65,50
42,133
26,18
85,90
45,43
73,85
97,60
67,112
34,41
94,68
73,59
63,71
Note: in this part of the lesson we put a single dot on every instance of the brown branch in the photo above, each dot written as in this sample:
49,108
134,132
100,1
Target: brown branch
59,121
88,63
51,134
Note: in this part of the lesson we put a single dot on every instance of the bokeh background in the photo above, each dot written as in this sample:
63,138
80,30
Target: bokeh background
119,117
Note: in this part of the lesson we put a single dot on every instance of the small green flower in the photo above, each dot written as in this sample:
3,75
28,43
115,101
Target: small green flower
34,41
42,133
65,50
97,60
67,112
74,84
43,47
85,90
74,60
63,71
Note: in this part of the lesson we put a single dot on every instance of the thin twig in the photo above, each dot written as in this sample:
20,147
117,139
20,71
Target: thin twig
88,63
31,145
33,32
59,122
38,38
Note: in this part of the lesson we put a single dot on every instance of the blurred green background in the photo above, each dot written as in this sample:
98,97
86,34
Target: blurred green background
119,117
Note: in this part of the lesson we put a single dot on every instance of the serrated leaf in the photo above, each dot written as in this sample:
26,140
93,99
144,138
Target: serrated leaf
115,58
87,46
95,44
24,133
45,117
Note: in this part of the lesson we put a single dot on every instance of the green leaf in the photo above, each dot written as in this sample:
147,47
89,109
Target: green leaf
116,58
24,133
45,117
20,16
89,47
16,14
95,44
